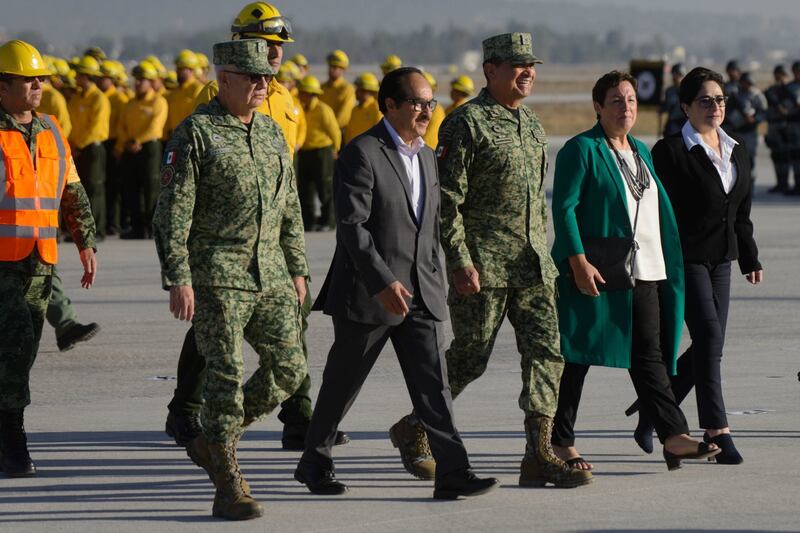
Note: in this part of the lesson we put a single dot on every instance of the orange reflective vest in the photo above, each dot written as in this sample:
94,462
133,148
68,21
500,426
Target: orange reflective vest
30,192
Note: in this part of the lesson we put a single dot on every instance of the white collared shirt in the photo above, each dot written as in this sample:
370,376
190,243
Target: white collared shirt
724,165
410,158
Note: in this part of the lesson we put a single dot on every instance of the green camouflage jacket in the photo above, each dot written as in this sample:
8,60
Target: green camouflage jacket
74,207
492,164
228,214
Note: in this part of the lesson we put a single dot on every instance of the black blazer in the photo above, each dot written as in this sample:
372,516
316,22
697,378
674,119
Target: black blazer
378,239
713,226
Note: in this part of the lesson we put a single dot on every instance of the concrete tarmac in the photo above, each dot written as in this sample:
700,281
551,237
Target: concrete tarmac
96,425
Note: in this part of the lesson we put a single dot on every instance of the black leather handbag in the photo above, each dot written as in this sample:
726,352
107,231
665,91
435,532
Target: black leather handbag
613,257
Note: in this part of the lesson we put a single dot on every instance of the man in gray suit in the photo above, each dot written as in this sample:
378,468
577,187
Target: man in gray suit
386,283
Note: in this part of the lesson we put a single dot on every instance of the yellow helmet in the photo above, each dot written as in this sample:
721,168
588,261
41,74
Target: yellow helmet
288,72
338,58
159,66
69,79
96,52
60,66
109,69
202,60
186,59
88,65
431,80
171,81
310,85
20,58
463,84
145,70
368,82
392,62
262,20
73,61
300,60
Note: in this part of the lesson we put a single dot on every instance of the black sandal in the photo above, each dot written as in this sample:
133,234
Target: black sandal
703,452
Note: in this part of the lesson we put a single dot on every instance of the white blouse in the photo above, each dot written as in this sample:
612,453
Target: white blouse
649,264
724,164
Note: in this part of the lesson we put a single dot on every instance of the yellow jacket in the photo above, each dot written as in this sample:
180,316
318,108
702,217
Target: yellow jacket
341,98
431,137
452,107
279,106
54,103
142,120
117,99
90,112
323,130
181,104
302,124
363,118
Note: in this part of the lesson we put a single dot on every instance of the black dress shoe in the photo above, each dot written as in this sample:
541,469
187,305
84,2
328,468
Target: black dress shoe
318,480
294,437
463,483
75,334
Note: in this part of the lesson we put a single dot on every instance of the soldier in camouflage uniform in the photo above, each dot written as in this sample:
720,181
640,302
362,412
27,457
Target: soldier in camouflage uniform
671,106
780,103
37,180
229,234
492,162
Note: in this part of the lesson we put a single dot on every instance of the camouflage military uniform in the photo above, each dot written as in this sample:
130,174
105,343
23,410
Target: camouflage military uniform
492,164
780,103
228,224
25,285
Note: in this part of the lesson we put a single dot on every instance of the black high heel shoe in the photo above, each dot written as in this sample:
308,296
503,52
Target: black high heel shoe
729,455
674,461
643,434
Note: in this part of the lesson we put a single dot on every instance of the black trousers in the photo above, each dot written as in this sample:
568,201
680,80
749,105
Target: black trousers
648,373
141,185
707,298
91,166
315,177
419,343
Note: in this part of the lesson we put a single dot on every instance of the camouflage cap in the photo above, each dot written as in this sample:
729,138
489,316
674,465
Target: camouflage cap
248,55
511,47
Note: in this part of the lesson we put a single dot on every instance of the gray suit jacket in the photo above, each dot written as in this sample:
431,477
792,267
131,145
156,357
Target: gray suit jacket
378,239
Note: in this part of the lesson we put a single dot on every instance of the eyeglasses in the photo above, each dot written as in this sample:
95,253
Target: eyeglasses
707,102
272,26
254,78
418,105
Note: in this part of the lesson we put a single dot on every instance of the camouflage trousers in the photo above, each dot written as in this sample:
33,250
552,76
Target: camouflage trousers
224,318
477,318
23,301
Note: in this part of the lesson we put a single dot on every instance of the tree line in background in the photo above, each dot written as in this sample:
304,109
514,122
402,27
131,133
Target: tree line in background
429,46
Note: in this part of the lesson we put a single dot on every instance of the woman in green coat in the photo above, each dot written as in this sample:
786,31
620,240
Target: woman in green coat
605,186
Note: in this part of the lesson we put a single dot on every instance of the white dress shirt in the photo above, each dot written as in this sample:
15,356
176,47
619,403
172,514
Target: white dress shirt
724,165
410,157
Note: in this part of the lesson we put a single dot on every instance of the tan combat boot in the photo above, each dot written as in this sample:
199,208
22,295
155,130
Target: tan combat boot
540,465
412,442
230,502
198,452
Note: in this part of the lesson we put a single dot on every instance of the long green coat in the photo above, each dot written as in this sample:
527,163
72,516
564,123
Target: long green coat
589,201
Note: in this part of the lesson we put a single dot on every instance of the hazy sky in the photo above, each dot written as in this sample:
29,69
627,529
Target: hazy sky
67,22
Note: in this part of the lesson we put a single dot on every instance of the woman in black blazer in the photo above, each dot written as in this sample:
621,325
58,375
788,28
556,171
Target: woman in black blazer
707,176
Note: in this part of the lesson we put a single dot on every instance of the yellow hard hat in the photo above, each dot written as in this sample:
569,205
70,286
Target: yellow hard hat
338,58
171,81
122,75
109,68
288,72
202,60
431,80
60,66
159,66
145,70
368,82
262,20
73,61
391,63
310,85
20,58
69,79
96,52
463,84
186,59
88,65
300,60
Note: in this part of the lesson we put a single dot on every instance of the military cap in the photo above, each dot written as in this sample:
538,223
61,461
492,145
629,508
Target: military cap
248,55
733,64
678,69
747,78
514,48
780,69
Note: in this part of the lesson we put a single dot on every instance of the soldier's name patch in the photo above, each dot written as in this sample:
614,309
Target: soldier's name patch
219,150
166,176
170,157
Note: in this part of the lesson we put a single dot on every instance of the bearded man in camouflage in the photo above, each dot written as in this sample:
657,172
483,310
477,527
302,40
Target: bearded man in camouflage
492,156
230,237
